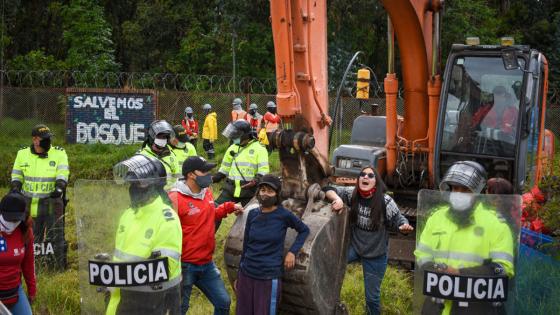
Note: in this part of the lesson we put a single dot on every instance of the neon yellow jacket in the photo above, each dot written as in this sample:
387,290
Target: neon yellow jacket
488,238
38,175
210,128
141,231
169,161
182,154
247,163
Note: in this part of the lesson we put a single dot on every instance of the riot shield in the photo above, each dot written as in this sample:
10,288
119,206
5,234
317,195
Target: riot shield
50,245
466,250
122,269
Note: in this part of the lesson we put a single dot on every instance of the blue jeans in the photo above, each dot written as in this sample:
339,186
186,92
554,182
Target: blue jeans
207,278
22,306
374,271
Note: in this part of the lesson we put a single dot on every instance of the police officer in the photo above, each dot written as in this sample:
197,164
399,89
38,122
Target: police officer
244,162
41,173
149,228
181,146
465,237
157,146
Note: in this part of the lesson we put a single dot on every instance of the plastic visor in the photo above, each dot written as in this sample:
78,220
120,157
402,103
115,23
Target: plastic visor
466,261
231,132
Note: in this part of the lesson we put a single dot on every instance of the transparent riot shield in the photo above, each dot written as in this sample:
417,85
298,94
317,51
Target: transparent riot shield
466,250
126,262
50,245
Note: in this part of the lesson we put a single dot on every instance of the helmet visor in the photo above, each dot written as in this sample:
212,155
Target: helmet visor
231,132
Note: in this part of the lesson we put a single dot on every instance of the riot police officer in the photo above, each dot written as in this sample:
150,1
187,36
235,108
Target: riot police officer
41,173
151,215
157,146
181,146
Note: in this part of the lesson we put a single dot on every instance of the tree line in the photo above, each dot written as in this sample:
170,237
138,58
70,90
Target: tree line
234,36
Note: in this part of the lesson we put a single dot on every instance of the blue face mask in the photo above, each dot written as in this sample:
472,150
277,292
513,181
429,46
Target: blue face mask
237,141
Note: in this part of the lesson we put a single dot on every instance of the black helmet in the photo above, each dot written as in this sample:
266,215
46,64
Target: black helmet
180,133
160,127
139,167
238,129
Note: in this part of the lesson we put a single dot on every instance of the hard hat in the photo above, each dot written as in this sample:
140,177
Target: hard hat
237,129
253,106
271,104
206,106
160,127
188,110
468,174
237,102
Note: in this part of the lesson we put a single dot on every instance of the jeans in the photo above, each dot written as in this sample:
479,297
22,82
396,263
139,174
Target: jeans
374,271
22,307
207,278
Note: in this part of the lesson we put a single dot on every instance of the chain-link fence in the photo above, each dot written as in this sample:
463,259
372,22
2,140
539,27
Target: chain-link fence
38,96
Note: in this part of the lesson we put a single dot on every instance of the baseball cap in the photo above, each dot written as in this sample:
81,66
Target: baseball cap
180,133
42,131
272,181
196,163
12,207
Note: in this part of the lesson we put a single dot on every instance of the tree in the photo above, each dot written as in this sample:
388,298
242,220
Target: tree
88,37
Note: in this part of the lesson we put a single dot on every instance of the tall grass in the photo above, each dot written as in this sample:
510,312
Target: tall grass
58,293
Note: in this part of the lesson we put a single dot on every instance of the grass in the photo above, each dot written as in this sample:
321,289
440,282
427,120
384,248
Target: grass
58,293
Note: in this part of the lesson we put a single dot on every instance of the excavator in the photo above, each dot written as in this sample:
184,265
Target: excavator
445,120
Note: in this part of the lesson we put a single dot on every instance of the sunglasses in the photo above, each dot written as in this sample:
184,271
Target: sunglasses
370,175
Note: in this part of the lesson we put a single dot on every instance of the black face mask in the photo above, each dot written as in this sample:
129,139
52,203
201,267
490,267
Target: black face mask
45,144
267,201
252,112
189,115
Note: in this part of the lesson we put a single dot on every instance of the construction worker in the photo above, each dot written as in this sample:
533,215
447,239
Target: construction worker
237,111
190,125
41,173
181,146
271,121
209,131
465,237
254,118
148,229
244,162
157,146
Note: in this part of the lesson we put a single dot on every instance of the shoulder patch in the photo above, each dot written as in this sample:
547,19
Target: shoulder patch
168,214
24,147
59,148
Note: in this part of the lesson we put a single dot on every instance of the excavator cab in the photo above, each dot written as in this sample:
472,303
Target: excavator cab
491,110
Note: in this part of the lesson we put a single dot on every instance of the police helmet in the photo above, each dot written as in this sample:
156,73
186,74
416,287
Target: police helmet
140,168
188,110
207,107
160,127
180,133
468,174
237,102
270,104
253,106
238,129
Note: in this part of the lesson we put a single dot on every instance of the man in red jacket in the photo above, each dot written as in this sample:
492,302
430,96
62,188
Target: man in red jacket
194,202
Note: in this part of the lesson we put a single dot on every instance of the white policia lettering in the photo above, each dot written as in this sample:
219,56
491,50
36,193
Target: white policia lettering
477,288
128,274
43,249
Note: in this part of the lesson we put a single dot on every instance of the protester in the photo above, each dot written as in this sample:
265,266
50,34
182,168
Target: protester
209,131
16,255
258,285
372,214
194,202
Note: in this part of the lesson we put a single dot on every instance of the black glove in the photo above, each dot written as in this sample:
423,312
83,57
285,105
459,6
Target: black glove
218,177
16,187
60,188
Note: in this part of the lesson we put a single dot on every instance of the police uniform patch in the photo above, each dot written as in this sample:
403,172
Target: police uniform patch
478,231
52,163
168,215
251,151
149,233
121,228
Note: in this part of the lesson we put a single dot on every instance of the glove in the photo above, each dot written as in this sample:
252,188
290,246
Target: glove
16,187
59,189
218,177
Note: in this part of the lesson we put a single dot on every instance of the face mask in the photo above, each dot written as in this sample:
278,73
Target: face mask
236,107
45,144
181,145
8,227
189,115
203,181
160,142
139,195
266,201
460,201
237,141
272,110
252,112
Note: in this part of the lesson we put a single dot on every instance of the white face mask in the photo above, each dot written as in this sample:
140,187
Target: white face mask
181,145
160,142
6,226
460,201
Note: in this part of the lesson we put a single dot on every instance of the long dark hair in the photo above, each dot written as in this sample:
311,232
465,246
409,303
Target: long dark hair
26,227
377,202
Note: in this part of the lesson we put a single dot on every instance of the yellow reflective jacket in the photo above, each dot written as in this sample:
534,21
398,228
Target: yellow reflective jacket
169,161
210,128
183,154
39,174
141,231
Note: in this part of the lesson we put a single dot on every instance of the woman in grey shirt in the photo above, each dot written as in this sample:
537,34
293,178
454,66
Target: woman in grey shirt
372,215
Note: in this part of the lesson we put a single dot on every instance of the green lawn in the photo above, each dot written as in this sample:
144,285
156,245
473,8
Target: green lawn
58,293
